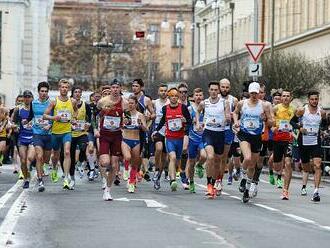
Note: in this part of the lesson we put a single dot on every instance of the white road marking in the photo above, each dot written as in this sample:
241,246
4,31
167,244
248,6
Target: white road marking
291,216
154,204
9,193
11,219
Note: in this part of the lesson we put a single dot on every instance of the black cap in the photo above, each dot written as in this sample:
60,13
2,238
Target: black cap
27,93
115,81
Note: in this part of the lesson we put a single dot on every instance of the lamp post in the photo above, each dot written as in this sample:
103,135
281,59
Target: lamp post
179,26
232,7
216,6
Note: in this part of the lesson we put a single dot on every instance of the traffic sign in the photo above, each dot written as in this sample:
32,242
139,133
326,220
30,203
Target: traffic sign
255,50
139,34
255,70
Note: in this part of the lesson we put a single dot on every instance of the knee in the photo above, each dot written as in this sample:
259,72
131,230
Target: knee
67,153
172,157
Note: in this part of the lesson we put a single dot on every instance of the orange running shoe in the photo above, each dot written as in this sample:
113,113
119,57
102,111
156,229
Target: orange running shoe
210,193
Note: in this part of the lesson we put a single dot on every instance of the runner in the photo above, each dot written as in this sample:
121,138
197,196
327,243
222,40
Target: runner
133,121
253,113
177,119
25,135
41,131
216,116
159,137
109,133
195,147
229,134
312,118
61,111
4,119
80,127
283,113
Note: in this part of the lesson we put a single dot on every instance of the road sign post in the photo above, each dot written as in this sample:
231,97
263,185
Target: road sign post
255,50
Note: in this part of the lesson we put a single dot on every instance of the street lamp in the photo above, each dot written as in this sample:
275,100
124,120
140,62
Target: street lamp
232,7
179,26
216,6
150,40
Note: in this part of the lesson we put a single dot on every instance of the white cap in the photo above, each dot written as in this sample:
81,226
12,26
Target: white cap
254,87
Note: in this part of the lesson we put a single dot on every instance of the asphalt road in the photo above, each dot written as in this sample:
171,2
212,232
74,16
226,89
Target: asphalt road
80,218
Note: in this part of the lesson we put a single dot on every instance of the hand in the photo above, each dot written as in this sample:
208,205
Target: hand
303,130
47,127
236,127
199,127
86,126
263,117
57,118
97,134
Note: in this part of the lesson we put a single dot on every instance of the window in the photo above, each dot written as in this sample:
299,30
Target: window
59,33
154,70
178,37
175,71
154,29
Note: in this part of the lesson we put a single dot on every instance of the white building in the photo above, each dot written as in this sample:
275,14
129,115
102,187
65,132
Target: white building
24,41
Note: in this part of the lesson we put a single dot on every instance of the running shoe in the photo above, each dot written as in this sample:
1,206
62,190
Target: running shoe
167,178
253,190
303,192
192,187
26,184
125,175
184,181
81,172
117,181
316,197
178,175
210,193
72,184
279,183
151,166
285,195
139,176
131,188
54,176
15,172
242,185
66,184
199,170
20,175
156,180
46,169
218,187
41,186
271,179
91,175
246,196
174,185
230,180
104,183
106,194
147,176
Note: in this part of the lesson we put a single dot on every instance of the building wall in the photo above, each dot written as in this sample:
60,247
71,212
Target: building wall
25,45
142,14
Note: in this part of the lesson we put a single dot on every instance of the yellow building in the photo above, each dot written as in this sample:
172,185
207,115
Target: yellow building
102,36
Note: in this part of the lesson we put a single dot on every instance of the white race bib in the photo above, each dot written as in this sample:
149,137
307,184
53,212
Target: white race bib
311,129
79,125
65,115
251,123
39,121
175,124
214,121
27,126
111,122
284,126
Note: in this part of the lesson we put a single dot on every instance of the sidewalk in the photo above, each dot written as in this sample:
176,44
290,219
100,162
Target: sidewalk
298,175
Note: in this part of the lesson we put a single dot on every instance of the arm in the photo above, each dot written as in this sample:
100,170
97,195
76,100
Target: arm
47,114
236,114
150,109
295,119
200,108
187,116
269,115
227,112
31,114
143,123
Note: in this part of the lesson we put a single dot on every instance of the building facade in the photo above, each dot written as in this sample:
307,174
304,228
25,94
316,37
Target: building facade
163,52
25,36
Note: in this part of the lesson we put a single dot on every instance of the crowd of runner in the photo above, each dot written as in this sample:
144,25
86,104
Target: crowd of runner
173,136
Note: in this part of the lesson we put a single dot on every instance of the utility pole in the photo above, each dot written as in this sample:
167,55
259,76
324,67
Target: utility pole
232,7
273,31
218,34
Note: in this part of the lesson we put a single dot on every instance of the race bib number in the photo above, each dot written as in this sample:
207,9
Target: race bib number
111,122
214,121
27,126
284,126
65,115
39,121
175,124
79,126
251,124
311,129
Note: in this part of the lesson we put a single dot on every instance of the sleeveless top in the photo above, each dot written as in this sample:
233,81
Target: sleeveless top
195,135
133,122
251,121
283,116
65,110
79,128
159,114
174,125
311,122
214,115
25,132
38,109
111,119
3,132
228,126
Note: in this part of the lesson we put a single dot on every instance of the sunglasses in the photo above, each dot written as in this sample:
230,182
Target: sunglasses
183,91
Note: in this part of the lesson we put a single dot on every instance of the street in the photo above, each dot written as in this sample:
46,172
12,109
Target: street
58,218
